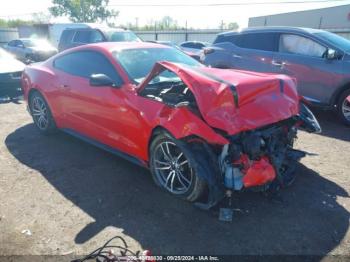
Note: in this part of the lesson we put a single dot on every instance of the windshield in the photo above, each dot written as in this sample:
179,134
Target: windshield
121,36
335,40
139,62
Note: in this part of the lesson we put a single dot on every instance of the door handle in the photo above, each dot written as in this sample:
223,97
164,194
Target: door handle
278,63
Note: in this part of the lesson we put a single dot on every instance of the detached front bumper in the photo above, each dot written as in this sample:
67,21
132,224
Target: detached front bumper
263,158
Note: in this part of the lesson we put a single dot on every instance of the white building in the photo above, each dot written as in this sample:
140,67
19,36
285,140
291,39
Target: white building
335,19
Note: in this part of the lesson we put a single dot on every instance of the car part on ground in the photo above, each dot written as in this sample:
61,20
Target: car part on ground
198,129
10,75
31,50
319,60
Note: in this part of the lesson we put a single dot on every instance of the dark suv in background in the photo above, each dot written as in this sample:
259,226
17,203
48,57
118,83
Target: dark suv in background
72,37
319,60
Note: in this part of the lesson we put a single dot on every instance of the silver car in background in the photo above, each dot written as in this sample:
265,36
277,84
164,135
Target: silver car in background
30,50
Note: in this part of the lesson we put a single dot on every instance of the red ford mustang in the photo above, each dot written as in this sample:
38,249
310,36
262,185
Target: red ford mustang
195,127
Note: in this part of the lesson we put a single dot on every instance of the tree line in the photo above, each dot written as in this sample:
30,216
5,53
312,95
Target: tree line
91,11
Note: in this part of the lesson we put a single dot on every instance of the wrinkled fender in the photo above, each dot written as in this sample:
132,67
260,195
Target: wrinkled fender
173,119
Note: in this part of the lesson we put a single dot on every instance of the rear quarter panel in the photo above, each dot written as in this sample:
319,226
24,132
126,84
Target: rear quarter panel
40,77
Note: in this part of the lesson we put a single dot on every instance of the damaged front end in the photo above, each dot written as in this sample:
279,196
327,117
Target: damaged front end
262,159
255,159
255,118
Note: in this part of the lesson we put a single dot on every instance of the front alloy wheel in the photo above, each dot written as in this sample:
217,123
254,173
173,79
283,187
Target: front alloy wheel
172,167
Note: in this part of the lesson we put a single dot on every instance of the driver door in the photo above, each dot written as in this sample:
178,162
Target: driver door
91,111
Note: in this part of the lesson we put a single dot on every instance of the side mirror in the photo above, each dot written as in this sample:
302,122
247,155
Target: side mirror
101,80
331,54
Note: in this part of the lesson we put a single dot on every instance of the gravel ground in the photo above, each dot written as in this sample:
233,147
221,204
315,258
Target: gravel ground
71,197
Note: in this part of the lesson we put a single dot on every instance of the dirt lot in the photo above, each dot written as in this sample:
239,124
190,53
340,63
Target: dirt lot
73,197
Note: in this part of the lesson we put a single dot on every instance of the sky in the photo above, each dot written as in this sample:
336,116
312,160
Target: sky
191,11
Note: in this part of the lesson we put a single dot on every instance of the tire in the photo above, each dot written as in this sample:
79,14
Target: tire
343,107
41,114
177,175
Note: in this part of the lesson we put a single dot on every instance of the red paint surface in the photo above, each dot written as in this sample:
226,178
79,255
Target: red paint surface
259,173
256,173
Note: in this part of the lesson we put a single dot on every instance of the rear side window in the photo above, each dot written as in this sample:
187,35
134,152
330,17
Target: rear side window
295,44
258,41
86,63
88,36
67,35
81,37
95,37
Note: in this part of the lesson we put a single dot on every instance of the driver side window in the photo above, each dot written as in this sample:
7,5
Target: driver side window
96,37
86,63
295,44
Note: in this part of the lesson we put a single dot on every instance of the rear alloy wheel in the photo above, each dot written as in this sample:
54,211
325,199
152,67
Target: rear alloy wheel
172,168
344,107
41,114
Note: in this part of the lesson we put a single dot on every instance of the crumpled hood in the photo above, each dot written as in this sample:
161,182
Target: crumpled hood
234,100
